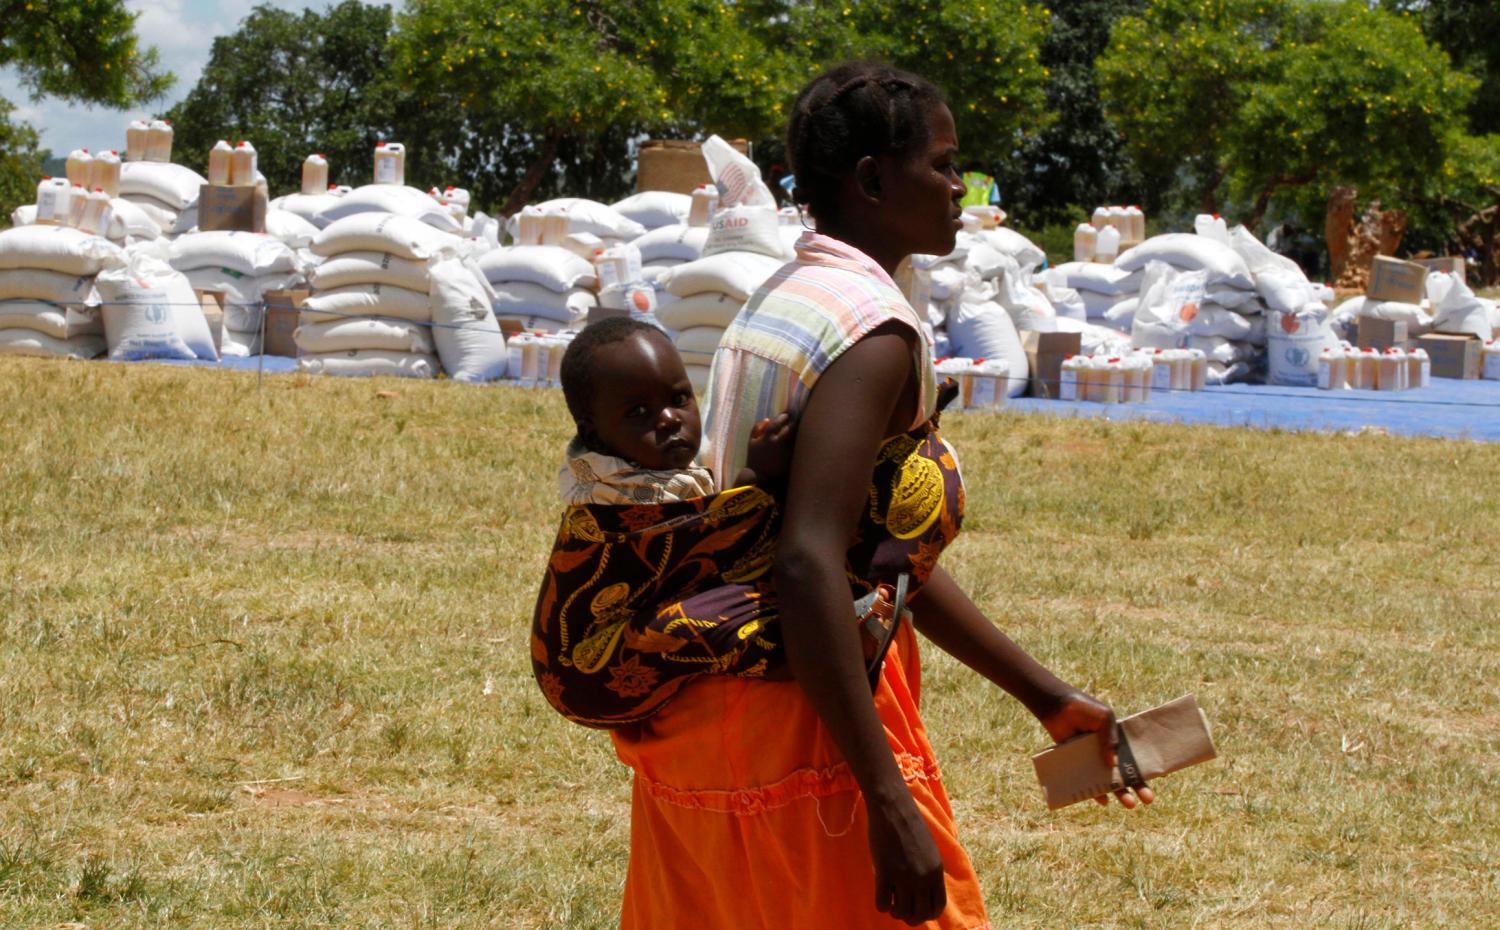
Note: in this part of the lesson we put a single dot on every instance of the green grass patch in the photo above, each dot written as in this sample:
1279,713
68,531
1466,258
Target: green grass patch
263,663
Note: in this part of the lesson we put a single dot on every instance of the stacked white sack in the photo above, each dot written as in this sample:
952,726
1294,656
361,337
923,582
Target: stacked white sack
243,266
48,305
386,198
708,295
128,223
743,247
464,328
1106,294
655,209
371,310
1455,308
150,311
541,288
745,243
981,296
167,193
584,216
1198,292
668,246
310,207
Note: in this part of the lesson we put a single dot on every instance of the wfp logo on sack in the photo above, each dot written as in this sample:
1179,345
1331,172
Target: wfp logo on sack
1297,356
156,313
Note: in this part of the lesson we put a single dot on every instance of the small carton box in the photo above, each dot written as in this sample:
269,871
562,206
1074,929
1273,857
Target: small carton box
675,165
212,304
510,327
1393,279
231,209
1448,264
282,310
1371,333
600,312
1453,355
1044,357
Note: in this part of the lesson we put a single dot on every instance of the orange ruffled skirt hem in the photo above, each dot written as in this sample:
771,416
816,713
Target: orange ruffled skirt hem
744,815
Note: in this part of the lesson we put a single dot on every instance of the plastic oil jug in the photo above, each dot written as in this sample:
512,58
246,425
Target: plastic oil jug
159,141
314,174
1085,238
242,165
390,163
80,167
220,163
136,133
52,201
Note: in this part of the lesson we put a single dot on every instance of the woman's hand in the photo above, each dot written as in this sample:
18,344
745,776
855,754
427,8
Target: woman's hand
1077,712
908,867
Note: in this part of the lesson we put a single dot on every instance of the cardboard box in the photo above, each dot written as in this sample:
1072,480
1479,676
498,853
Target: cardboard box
675,165
1044,357
283,308
212,304
1453,355
1371,333
1453,264
600,312
1393,279
233,209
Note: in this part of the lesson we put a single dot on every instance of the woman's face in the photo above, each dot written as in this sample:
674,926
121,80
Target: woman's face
924,189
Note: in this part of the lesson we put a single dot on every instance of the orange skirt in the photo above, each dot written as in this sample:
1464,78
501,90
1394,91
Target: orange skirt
744,814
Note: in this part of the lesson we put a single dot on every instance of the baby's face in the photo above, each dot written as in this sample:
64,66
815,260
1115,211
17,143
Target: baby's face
643,408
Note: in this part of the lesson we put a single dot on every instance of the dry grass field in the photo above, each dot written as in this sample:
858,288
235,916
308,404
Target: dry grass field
263,664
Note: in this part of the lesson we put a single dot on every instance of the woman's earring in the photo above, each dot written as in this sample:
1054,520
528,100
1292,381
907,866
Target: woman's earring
802,216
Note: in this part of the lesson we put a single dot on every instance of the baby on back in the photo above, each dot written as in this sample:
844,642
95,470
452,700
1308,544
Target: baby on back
638,429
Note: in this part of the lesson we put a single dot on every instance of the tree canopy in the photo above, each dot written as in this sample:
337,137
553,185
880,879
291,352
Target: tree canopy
295,83
84,51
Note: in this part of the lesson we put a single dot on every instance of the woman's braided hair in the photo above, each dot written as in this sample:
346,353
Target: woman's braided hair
856,109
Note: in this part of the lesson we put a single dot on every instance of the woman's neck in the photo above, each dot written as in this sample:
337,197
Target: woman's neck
866,238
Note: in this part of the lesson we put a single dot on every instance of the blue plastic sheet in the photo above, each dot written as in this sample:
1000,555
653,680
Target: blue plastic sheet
1447,408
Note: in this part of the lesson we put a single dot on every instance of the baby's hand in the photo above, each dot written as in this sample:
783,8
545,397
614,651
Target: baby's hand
770,454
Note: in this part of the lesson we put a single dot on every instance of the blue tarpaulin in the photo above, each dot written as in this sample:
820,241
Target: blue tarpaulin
1447,408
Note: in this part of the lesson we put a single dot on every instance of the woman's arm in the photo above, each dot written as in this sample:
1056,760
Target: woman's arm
847,416
946,616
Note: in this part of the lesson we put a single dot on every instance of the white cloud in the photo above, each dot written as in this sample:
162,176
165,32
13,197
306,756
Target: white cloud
182,31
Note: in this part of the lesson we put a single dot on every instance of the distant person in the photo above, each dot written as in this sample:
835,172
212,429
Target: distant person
982,188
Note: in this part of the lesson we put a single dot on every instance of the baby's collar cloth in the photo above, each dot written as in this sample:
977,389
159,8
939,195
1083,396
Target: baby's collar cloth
594,478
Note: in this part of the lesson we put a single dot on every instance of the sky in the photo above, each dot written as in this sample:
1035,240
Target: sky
181,30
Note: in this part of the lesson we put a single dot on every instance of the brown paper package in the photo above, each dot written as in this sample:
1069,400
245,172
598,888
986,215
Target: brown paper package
1163,739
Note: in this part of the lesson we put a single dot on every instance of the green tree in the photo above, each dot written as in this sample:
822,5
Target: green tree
1466,30
1175,78
78,50
1284,100
1358,98
552,92
1079,160
294,83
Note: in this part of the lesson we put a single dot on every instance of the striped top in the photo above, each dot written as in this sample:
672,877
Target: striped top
801,320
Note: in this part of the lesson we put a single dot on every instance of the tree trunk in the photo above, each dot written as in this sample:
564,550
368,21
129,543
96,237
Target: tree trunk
538,170
1263,200
1481,232
1352,246
1209,202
